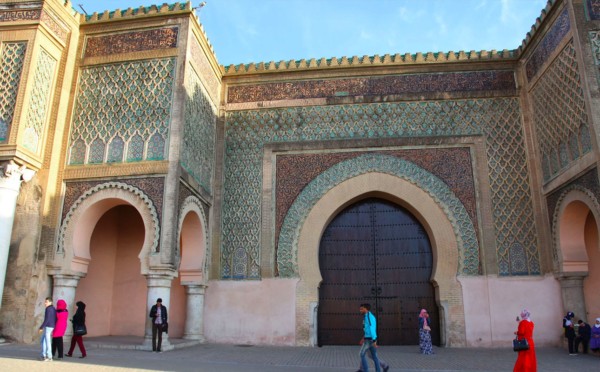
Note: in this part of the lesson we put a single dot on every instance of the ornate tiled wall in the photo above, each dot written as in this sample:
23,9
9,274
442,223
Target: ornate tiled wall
162,38
11,67
205,70
39,100
592,8
153,187
123,112
560,115
452,166
551,40
198,143
466,236
498,120
419,83
20,15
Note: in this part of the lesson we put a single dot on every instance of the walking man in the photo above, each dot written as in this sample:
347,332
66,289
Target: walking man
369,341
46,330
158,314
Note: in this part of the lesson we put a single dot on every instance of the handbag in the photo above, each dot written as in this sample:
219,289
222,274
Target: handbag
80,330
520,345
426,328
165,328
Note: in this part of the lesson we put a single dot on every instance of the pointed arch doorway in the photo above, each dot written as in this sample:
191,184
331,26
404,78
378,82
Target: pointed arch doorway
376,252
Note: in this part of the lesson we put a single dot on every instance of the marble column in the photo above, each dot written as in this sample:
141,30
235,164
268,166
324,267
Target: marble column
11,177
571,284
194,312
159,286
65,287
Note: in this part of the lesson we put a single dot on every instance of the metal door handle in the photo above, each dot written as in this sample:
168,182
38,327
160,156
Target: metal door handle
372,290
381,309
378,290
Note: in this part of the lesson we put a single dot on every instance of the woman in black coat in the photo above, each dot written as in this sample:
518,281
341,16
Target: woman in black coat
78,320
569,332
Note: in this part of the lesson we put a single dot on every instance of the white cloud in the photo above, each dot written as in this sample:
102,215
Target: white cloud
410,16
481,5
440,21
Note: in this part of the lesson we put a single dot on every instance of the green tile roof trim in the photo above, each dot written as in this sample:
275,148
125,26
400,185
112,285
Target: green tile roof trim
142,10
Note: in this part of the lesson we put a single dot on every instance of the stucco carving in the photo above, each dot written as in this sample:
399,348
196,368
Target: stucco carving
121,193
193,204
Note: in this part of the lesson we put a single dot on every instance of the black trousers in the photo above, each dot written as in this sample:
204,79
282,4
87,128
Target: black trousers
57,344
156,328
586,343
571,345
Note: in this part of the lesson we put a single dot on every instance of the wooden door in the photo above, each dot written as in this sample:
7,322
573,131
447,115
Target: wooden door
375,252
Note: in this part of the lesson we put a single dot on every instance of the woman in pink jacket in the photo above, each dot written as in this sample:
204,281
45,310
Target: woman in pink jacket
61,326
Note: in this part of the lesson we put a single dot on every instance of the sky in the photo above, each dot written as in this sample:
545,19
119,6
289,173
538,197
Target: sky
244,31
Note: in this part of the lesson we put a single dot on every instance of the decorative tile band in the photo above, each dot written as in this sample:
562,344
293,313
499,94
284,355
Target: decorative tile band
39,100
557,32
123,112
468,247
451,165
11,68
163,38
200,120
152,187
374,86
20,15
206,70
560,113
498,120
56,29
593,9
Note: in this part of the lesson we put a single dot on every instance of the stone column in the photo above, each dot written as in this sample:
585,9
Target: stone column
194,312
11,177
159,286
571,284
65,287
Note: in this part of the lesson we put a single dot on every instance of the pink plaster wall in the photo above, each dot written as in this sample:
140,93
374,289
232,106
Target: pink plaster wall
114,290
251,312
96,289
591,284
177,310
492,304
128,317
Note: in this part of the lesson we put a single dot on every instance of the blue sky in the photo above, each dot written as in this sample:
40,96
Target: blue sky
244,31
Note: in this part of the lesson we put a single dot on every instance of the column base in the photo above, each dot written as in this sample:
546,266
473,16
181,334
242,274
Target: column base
199,338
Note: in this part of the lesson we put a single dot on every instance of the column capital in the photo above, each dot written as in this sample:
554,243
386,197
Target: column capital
11,175
66,280
194,288
571,278
159,280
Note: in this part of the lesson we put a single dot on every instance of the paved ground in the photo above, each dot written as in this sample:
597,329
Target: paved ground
230,358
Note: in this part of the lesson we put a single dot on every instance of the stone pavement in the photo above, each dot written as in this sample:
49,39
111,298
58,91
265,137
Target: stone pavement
244,358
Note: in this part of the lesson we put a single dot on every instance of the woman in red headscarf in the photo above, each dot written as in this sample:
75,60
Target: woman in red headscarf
526,361
424,333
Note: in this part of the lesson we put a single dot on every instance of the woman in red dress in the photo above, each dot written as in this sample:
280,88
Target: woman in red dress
526,361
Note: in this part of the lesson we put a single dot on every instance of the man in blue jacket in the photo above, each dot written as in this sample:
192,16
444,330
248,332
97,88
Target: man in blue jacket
369,341
46,329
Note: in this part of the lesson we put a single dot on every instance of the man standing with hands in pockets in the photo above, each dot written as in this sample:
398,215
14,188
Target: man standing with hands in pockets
369,341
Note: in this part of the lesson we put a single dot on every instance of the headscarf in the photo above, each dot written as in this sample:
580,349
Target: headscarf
422,315
525,315
597,325
568,317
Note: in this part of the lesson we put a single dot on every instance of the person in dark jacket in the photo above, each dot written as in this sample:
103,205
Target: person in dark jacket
584,335
78,320
46,329
158,314
570,332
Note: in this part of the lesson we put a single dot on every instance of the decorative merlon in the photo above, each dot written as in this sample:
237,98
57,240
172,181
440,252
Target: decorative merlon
375,60
137,12
535,27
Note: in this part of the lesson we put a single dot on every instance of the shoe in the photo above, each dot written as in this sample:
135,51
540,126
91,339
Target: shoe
83,356
386,369
41,359
68,355
48,360
160,351
572,354
60,358
153,351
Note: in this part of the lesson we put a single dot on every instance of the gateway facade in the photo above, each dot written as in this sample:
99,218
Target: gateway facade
264,202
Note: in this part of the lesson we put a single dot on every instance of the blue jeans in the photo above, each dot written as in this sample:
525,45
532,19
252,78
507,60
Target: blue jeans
46,342
368,346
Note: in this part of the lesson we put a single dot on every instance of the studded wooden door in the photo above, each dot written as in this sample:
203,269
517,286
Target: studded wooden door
375,252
